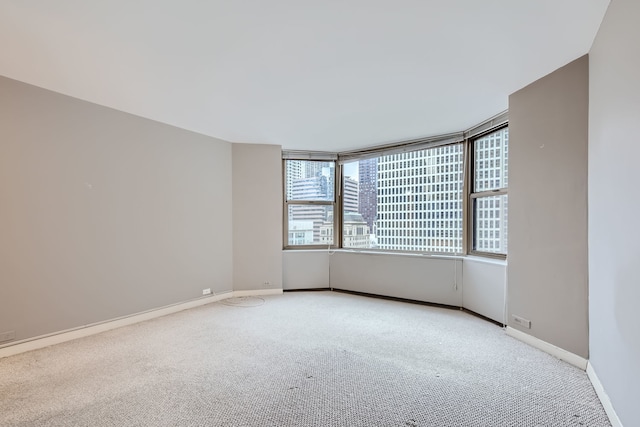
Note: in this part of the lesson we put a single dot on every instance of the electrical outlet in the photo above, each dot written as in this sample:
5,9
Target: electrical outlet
206,291
522,321
266,283
7,336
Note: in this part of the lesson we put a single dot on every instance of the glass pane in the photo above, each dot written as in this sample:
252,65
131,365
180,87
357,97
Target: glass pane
356,232
491,154
309,180
310,225
408,201
490,217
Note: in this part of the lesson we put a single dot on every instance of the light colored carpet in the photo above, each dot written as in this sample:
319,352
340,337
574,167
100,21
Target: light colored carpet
298,359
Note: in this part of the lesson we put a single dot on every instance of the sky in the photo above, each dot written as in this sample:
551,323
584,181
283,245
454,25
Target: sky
351,170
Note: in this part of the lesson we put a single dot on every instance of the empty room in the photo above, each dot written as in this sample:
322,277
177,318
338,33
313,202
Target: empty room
280,213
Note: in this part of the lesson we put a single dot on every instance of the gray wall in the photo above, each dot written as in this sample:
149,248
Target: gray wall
257,216
614,206
417,277
104,214
547,271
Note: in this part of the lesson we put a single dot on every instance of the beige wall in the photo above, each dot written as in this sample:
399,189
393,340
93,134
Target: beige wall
547,268
614,205
104,214
257,216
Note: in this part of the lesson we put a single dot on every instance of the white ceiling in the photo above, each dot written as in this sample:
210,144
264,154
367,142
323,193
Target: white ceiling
305,74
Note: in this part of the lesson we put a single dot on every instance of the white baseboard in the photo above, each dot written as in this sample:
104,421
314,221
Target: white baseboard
603,396
577,361
96,328
558,352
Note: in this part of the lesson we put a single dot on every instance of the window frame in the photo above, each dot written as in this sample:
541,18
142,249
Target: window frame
416,232
473,195
335,203
469,197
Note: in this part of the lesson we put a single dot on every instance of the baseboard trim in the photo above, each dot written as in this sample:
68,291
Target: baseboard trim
257,292
558,352
96,328
603,396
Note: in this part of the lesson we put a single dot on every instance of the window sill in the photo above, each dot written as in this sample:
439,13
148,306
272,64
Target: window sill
485,260
469,258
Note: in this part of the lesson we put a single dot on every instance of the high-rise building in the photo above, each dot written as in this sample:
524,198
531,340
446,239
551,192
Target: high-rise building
367,198
297,170
294,171
419,200
350,195
313,188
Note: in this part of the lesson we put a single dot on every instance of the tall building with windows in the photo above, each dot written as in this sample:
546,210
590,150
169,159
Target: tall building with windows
313,188
368,196
307,180
350,197
294,171
419,200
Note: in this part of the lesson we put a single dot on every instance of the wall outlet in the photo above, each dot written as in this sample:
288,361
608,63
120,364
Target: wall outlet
522,321
206,291
266,283
7,336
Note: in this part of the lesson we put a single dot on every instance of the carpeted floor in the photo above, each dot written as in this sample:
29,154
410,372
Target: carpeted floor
298,359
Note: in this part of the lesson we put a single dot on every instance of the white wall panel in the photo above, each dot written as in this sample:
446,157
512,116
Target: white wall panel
484,287
305,269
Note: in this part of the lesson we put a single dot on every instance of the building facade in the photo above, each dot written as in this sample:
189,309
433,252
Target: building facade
419,200
368,195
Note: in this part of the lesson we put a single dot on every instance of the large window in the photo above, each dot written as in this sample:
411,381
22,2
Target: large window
489,199
410,201
310,200
445,194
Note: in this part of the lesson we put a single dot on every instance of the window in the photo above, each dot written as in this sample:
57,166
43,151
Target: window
445,194
384,212
309,202
489,199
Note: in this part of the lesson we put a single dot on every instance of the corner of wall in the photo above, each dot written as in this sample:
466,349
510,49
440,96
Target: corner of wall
257,216
548,259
